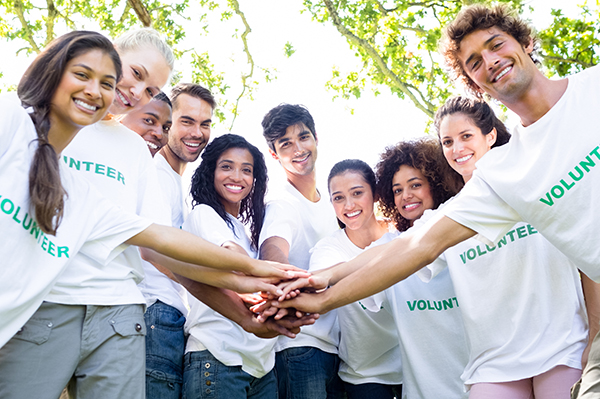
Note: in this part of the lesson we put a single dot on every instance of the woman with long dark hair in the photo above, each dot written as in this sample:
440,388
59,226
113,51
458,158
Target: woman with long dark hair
228,190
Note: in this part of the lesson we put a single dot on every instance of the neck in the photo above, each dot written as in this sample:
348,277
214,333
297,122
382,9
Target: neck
59,136
176,163
372,231
305,184
537,100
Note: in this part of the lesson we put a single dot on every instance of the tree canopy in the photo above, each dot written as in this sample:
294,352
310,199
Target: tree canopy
396,40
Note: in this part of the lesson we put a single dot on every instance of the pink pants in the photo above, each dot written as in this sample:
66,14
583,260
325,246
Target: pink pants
553,384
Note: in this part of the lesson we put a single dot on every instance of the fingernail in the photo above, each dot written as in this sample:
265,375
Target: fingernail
280,292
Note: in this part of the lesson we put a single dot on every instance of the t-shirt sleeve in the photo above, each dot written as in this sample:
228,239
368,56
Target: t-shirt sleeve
152,202
374,302
324,255
204,222
479,208
108,226
280,221
13,119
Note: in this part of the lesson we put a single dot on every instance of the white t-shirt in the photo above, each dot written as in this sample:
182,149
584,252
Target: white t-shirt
302,224
432,338
369,350
156,285
521,302
32,260
116,161
225,340
547,175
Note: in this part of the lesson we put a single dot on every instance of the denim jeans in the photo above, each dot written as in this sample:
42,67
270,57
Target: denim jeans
308,373
205,377
373,390
165,346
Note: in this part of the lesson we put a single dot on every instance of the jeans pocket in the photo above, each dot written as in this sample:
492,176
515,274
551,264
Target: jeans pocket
36,331
301,353
128,326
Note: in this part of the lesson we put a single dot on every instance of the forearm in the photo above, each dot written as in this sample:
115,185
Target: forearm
388,264
190,250
223,301
591,292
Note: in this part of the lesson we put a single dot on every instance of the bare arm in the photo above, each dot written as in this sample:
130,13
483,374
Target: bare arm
192,250
591,292
381,267
275,249
231,306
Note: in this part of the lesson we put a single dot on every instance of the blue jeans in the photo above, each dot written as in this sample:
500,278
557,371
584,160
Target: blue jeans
204,377
165,346
308,373
373,390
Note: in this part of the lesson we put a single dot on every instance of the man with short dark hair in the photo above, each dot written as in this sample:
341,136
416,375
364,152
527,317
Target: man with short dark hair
166,299
547,175
152,122
295,221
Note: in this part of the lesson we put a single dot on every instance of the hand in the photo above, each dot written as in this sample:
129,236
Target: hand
288,326
291,289
251,300
247,284
263,268
304,302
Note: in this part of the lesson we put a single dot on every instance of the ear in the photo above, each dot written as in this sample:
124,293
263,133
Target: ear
529,48
491,137
273,154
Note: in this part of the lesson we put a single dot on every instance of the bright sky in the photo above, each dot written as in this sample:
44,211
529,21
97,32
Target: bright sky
376,122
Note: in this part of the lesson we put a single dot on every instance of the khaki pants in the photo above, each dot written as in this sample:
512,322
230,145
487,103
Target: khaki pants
589,385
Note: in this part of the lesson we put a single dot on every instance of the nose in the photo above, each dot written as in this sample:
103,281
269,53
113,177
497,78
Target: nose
157,132
349,204
490,59
407,194
92,89
138,90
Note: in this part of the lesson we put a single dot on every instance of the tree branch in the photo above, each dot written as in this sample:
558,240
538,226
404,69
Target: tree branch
50,19
380,64
141,11
568,60
236,7
28,36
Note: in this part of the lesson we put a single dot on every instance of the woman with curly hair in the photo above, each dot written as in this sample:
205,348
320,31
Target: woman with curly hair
525,342
412,178
228,190
431,181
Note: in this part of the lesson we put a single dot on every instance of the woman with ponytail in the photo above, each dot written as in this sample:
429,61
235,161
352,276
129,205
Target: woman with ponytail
71,84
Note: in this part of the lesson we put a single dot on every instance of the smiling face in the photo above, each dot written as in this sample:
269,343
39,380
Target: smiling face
352,199
412,194
85,92
463,143
296,150
234,177
497,63
190,131
145,71
152,122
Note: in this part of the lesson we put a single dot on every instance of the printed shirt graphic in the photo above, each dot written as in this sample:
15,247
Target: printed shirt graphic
32,260
547,175
521,302
432,338
109,146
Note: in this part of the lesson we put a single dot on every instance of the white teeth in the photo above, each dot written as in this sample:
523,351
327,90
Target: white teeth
302,159
192,144
412,206
86,105
123,100
352,214
233,187
504,72
463,159
152,145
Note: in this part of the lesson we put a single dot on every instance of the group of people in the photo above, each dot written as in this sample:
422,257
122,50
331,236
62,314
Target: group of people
313,294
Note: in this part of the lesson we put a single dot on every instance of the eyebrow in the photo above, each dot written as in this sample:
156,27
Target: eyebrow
230,161
188,118
484,44
206,121
152,114
91,70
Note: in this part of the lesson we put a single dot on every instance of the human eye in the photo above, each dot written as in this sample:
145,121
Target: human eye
225,166
446,143
137,73
108,85
166,128
337,198
284,144
357,193
81,75
475,64
416,185
149,121
150,92
397,191
497,45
